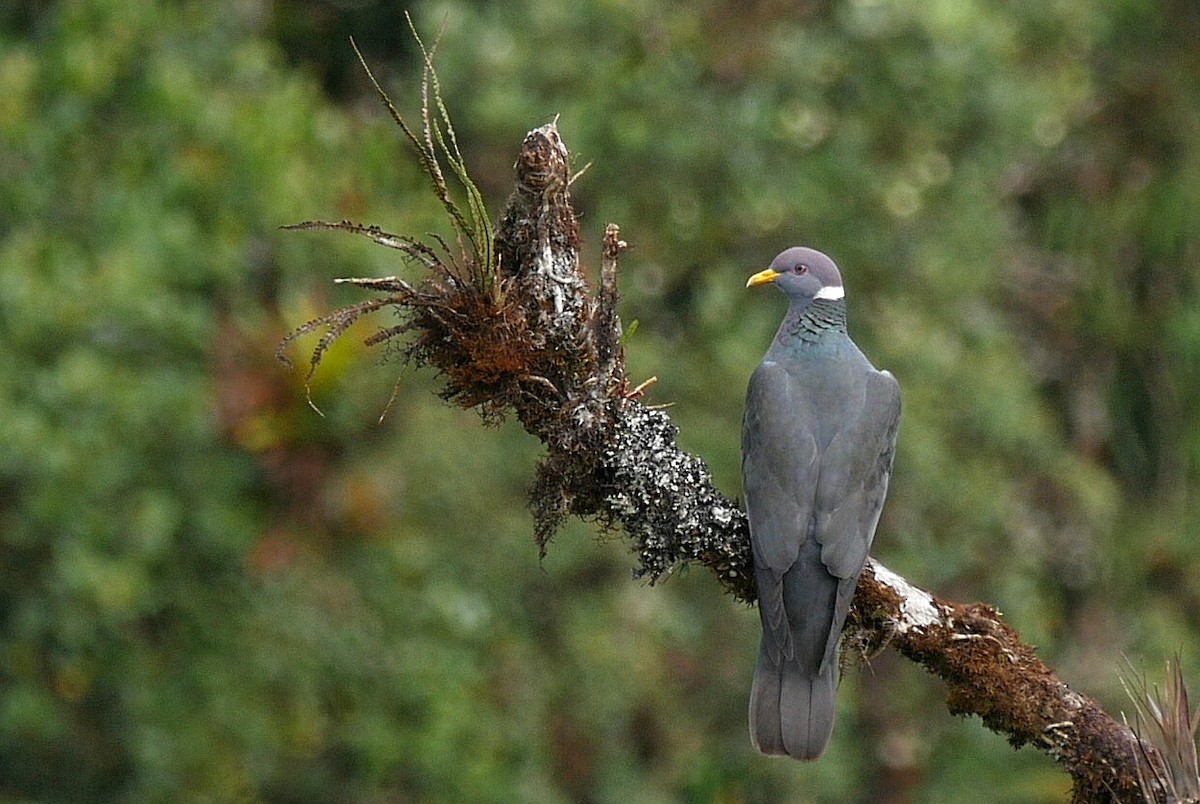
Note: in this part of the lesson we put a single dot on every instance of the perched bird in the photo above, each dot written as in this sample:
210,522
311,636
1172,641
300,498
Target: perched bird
817,444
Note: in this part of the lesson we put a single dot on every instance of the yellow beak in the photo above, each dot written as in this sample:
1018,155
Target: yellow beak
762,278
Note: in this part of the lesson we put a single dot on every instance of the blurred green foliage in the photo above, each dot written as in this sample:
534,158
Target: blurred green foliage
208,592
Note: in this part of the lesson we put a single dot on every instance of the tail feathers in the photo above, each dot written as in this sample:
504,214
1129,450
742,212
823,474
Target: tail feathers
791,711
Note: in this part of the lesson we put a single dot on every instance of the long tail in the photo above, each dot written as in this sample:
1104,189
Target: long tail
791,711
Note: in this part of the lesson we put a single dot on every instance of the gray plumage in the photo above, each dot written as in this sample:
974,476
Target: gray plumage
817,444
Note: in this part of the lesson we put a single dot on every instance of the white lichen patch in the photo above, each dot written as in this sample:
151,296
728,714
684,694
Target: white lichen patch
667,504
917,607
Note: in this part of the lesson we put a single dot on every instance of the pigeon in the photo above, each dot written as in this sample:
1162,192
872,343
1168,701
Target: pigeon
818,438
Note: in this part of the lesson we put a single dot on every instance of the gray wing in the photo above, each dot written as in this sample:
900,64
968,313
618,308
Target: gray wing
855,469
794,488
779,476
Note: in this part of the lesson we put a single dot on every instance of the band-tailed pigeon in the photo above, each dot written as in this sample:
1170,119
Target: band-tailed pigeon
817,444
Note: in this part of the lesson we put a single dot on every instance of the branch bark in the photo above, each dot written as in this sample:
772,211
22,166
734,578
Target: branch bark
538,344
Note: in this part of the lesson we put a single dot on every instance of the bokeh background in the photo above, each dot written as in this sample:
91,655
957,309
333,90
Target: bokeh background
208,592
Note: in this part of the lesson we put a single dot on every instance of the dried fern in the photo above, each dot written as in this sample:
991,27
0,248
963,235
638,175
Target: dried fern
467,271
1165,719
437,142
413,248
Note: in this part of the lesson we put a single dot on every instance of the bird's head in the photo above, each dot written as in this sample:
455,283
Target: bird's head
804,274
